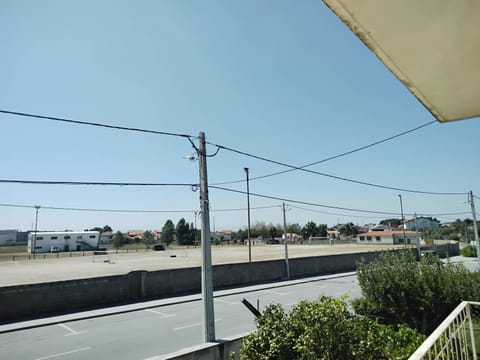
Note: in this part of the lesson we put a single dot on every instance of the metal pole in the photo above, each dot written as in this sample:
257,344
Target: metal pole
403,220
248,210
418,240
287,268
37,207
475,228
207,278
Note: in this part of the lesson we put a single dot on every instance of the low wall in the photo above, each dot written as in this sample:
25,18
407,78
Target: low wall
35,300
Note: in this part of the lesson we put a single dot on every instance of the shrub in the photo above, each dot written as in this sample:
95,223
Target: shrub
399,290
469,251
325,329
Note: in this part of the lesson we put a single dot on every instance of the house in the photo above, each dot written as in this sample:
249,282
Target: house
387,237
421,223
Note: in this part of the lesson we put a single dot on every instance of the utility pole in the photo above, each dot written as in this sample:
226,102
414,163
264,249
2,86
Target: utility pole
475,227
34,250
248,210
207,273
418,240
403,220
287,267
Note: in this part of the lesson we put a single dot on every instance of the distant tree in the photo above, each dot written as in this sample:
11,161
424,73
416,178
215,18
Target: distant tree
391,222
99,229
147,239
106,228
348,229
294,228
273,232
322,230
309,230
118,240
168,232
182,232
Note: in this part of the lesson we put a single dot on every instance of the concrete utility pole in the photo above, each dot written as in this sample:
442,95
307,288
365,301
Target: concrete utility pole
34,249
207,273
403,220
287,267
248,210
475,227
418,240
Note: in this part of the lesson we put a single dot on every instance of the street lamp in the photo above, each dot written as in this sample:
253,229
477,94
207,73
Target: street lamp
248,210
403,220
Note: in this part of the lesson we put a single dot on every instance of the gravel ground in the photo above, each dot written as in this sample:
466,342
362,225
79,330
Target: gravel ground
15,272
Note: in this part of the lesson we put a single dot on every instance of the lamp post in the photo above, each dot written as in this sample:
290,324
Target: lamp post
248,211
403,220
475,227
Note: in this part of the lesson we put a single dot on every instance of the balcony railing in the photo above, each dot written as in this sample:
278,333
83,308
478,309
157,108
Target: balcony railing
453,339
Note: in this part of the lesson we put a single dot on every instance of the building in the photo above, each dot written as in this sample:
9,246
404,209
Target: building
387,237
13,237
421,223
63,241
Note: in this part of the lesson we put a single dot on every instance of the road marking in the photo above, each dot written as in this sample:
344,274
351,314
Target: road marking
190,326
277,293
160,313
62,354
227,302
72,332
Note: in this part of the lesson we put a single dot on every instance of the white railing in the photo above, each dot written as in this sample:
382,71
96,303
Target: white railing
453,339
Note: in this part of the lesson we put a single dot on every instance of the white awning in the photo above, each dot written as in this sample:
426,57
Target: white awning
431,46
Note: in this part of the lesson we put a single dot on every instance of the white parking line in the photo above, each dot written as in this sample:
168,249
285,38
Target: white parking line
71,331
227,302
191,325
62,354
276,293
160,313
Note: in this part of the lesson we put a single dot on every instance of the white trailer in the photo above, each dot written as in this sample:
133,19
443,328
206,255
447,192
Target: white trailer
59,241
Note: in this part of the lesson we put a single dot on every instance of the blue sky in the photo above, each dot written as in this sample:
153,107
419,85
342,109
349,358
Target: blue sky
283,80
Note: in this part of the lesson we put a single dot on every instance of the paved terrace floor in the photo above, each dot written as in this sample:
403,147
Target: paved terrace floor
24,271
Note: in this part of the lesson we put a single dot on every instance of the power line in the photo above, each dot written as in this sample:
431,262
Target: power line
335,156
78,122
302,202
338,177
126,210
54,182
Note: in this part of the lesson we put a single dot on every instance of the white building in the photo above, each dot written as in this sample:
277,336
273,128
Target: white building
421,223
387,237
63,241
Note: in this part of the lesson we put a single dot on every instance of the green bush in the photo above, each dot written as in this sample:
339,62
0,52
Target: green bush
325,329
398,289
469,251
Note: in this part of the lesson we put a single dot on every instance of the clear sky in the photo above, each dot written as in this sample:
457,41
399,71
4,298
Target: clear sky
285,80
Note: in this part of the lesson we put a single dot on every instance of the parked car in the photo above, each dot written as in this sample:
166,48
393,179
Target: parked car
158,247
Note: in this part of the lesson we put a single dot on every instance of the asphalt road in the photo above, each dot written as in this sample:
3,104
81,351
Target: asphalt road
156,330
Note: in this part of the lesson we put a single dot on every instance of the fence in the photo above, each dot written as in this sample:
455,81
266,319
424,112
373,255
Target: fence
453,339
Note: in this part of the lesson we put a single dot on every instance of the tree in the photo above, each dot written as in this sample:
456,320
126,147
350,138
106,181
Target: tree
106,228
147,239
118,240
168,232
294,228
394,223
397,288
322,230
309,230
273,232
182,232
325,329
348,230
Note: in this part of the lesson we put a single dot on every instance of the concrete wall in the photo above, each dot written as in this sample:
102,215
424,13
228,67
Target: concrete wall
34,300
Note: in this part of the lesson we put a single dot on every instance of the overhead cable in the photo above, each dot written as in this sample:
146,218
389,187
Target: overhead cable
78,122
54,182
335,156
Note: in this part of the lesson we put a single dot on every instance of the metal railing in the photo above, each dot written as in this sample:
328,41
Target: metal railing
453,339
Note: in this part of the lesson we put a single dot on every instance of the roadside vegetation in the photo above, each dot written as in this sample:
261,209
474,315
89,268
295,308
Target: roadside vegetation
403,300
